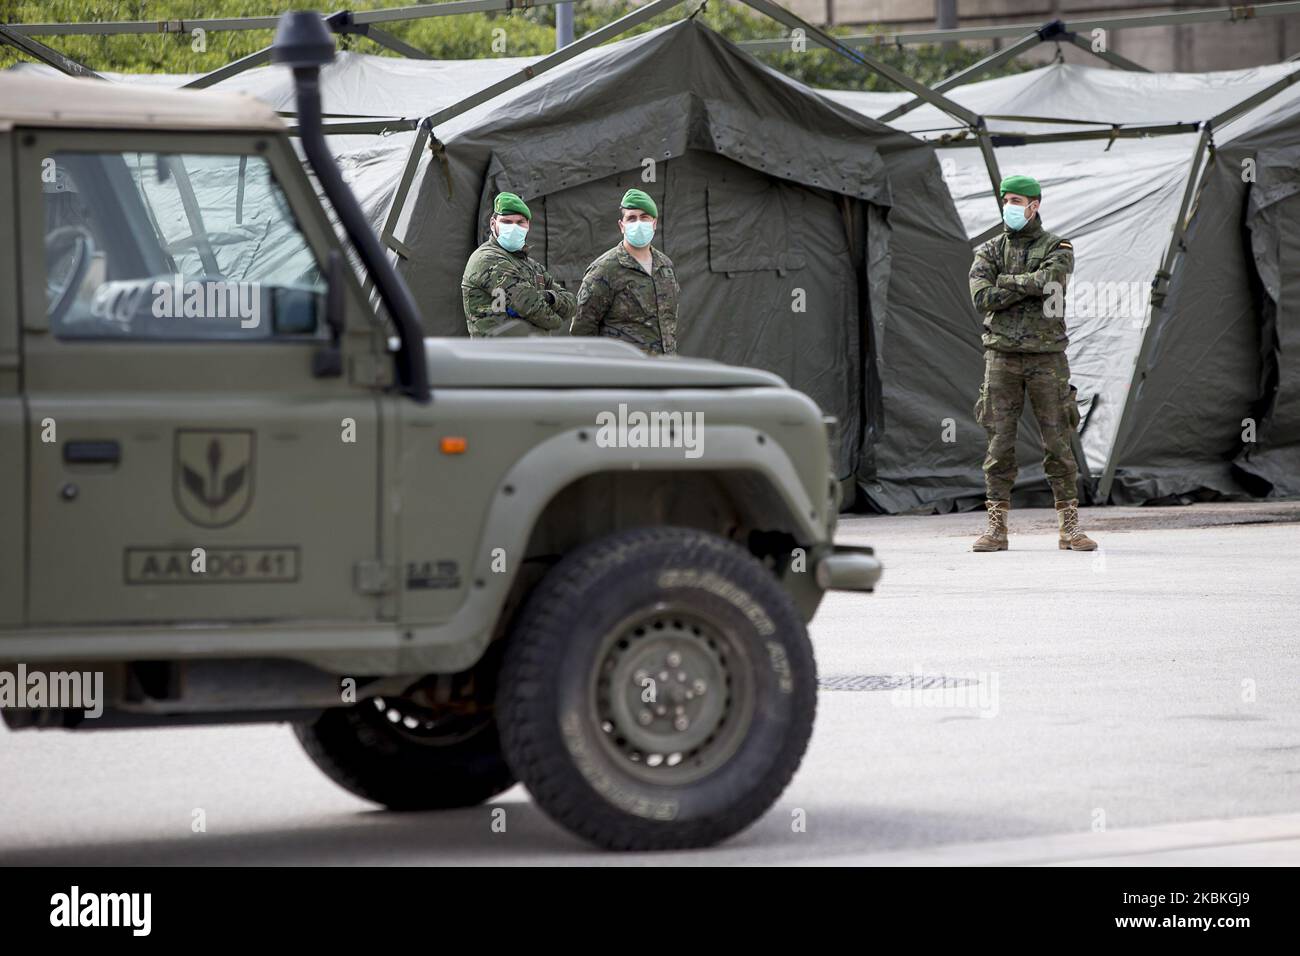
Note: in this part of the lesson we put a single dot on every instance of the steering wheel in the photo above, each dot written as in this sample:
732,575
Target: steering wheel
81,243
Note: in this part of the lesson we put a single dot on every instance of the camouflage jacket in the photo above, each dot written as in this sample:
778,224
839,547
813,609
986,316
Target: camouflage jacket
620,299
1018,281
509,293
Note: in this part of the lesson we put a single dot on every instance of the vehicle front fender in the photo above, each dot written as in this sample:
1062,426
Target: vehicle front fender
524,491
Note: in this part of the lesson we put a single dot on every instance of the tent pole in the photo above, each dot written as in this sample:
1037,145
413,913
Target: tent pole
1250,102
793,21
563,25
596,37
1023,139
991,62
990,163
345,23
386,39
451,8
48,55
1159,289
386,237
341,23
230,69
1114,59
986,235
381,126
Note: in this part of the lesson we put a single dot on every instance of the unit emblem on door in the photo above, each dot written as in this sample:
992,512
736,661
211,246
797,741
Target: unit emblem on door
213,481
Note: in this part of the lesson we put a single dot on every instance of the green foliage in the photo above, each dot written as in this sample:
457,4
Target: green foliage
467,36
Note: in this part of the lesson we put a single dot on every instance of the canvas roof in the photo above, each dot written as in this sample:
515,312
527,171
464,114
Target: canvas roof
1095,97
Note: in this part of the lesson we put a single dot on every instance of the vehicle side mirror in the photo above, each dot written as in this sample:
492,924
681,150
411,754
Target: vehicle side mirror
328,360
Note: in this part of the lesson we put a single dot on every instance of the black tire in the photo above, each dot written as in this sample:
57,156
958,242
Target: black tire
362,751
565,708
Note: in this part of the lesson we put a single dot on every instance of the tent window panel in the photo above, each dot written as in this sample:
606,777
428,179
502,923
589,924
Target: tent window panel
752,230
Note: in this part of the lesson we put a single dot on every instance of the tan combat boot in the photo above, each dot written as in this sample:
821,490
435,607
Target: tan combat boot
1072,539
995,538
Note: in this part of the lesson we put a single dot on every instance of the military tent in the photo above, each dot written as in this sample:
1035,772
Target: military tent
804,236
1215,403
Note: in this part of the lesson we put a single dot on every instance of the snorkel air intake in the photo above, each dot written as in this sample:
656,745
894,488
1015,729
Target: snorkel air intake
304,43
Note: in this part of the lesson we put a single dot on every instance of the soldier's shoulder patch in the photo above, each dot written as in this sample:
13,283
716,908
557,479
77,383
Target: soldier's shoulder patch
1065,244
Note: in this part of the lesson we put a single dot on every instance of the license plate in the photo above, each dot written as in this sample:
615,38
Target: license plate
212,566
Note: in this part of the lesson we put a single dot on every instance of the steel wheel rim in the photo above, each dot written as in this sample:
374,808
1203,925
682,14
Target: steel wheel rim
703,698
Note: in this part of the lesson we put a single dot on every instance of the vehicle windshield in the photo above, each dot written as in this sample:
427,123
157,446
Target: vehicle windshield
171,246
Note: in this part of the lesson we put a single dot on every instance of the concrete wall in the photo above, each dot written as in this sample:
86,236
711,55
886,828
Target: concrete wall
1193,48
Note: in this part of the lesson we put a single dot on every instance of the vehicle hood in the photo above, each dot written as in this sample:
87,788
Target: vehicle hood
574,363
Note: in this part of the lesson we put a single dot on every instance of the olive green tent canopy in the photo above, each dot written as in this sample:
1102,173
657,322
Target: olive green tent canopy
808,241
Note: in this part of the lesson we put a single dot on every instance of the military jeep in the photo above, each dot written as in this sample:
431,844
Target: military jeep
238,491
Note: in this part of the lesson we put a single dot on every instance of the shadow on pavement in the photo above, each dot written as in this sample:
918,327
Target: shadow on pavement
465,837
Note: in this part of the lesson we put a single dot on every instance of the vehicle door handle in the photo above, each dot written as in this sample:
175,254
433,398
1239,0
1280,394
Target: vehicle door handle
92,452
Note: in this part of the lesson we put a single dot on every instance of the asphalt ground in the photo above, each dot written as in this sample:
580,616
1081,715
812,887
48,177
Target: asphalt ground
1136,705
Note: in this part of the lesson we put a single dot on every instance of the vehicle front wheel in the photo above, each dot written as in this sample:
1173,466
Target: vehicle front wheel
658,690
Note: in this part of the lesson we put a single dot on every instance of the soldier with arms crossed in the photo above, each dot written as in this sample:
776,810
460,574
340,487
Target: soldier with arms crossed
1018,283
505,291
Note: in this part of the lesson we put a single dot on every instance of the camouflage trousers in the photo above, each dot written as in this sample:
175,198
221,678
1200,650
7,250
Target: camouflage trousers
1045,377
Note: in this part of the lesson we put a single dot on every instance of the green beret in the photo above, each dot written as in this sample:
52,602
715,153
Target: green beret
1021,186
509,202
636,199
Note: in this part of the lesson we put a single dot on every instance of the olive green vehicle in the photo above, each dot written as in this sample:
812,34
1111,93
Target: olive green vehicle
241,492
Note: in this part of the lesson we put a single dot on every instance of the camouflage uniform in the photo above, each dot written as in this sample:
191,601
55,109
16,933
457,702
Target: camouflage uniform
618,298
1025,353
509,293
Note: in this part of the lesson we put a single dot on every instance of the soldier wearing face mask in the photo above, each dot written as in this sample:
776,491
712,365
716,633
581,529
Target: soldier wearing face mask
1018,282
504,290
631,292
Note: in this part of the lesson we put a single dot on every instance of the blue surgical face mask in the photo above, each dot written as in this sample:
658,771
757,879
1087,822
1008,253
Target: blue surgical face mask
510,236
639,234
1014,216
